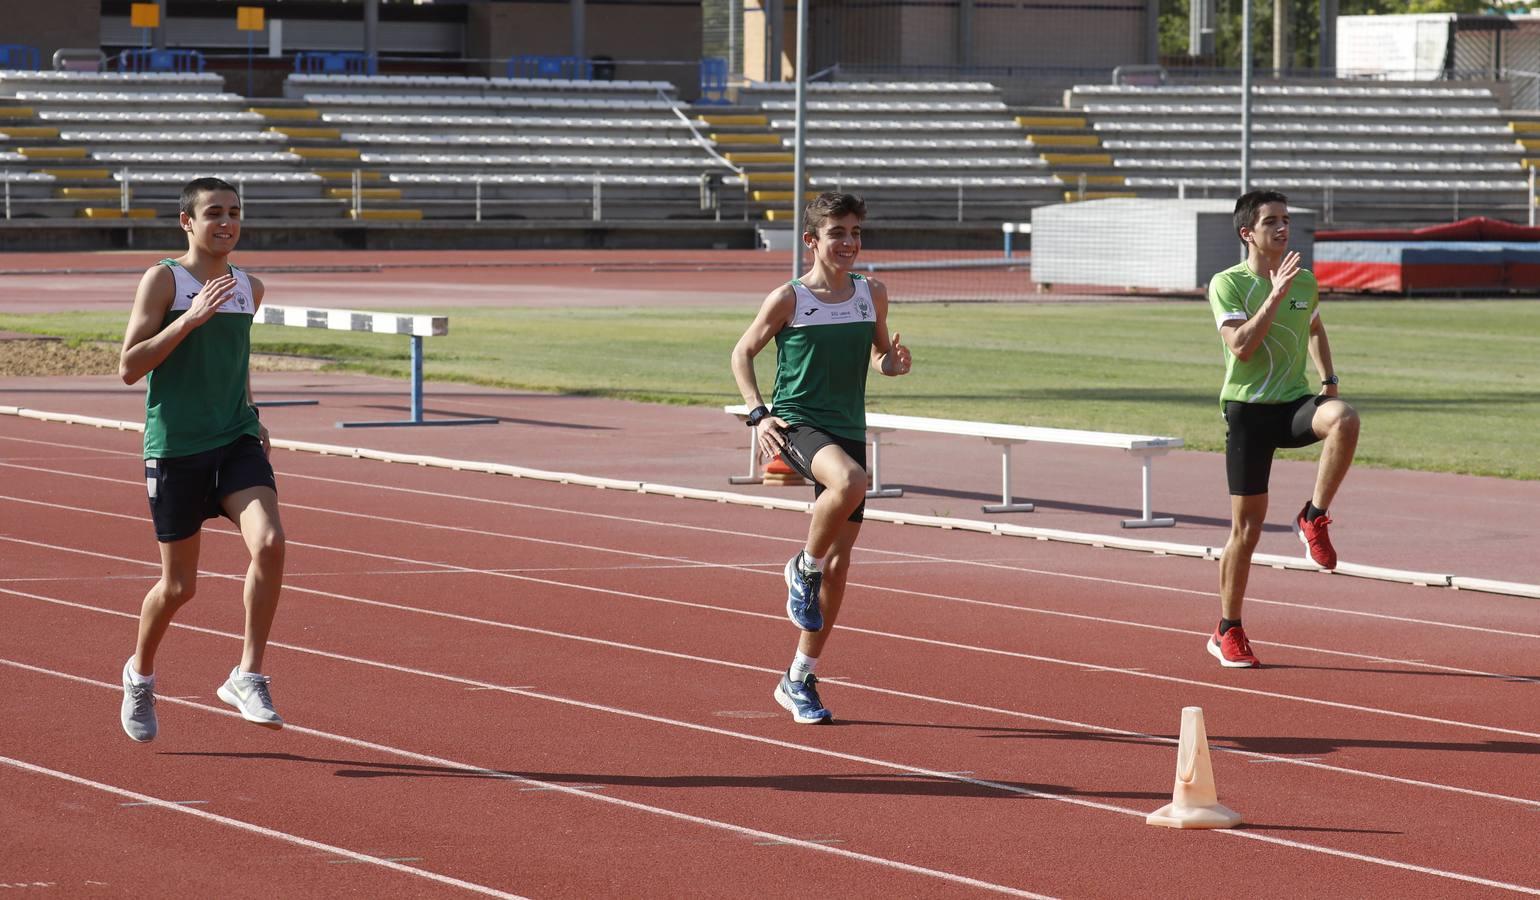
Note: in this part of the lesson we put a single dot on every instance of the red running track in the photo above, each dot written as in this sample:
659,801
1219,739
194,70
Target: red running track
520,688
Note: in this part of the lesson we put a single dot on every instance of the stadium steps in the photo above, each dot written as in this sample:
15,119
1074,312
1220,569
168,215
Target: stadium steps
113,212
29,132
368,193
385,215
17,112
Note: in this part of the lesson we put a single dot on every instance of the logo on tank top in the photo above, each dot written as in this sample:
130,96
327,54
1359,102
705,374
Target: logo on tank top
862,308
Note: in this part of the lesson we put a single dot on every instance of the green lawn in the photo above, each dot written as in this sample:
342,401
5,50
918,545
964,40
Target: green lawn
1442,385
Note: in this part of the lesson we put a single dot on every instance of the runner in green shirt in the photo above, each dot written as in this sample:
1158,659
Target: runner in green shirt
1267,312
205,451
830,328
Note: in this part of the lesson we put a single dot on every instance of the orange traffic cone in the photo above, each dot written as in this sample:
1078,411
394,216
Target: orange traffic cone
1194,800
778,472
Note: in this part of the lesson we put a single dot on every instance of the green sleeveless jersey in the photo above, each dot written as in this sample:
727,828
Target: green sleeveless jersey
1275,373
196,398
822,357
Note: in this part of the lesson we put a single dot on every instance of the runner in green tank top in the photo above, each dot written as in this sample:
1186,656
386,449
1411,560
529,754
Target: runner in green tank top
1267,311
830,327
205,451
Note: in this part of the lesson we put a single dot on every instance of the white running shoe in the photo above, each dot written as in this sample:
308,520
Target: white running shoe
247,692
138,708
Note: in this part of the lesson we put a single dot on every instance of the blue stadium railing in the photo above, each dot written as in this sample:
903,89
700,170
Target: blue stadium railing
147,60
20,56
339,62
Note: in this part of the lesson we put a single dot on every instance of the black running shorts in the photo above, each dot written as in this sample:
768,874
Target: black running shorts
803,443
1259,429
185,490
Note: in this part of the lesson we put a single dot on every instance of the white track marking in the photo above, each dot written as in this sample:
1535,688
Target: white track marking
568,790
284,836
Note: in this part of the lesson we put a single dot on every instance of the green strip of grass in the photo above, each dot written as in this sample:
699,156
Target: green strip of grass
1442,385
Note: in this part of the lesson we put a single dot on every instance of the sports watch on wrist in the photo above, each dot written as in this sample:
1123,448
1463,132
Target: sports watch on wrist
757,414
1332,379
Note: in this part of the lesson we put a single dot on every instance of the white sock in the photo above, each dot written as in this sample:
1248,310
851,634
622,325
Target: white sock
801,667
134,676
811,563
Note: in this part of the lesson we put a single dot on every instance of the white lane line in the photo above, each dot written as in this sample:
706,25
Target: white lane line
253,828
851,629
758,739
918,557
536,783
499,573
526,629
178,802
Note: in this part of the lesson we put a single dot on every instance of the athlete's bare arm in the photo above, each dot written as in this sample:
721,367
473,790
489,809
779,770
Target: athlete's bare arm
1243,338
774,314
888,355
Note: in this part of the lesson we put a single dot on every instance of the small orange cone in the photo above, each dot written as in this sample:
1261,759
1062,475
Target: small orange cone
778,472
1194,800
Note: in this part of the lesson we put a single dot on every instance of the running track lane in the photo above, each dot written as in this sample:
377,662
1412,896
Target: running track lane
1111,771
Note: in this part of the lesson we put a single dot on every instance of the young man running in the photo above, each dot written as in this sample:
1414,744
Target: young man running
205,451
829,327
1267,312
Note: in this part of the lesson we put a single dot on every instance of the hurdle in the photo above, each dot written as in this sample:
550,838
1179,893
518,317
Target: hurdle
415,327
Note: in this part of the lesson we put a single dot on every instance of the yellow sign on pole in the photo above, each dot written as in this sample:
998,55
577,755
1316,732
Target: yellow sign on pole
249,18
144,15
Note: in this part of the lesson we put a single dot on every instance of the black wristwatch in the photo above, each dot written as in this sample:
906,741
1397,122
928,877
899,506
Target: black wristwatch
1329,380
757,415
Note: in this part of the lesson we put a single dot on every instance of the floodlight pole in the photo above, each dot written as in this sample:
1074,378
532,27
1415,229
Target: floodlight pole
799,165
1245,96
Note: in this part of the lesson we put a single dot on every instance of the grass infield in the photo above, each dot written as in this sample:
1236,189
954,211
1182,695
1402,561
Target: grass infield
1443,385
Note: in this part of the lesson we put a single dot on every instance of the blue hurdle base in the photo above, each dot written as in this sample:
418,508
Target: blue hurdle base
417,418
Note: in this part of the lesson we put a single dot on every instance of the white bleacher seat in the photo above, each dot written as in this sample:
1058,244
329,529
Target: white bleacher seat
669,121
144,176
536,84
559,178
1324,165
194,138
586,162
876,87
410,101
111,80
1288,109
1341,184
879,106
15,177
195,158
518,140
1317,147
878,181
917,144
879,163
122,98
1232,90
1266,126
868,126
474,83
106,117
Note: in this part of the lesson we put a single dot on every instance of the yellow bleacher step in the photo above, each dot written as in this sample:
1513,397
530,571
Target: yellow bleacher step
768,177
303,131
286,112
1072,180
346,175
113,212
773,139
17,112
77,174
736,157
53,152
780,215
1051,121
372,193
772,196
735,119
325,152
88,193
1518,127
1529,144
28,131
387,215
1064,140
1078,160
1072,196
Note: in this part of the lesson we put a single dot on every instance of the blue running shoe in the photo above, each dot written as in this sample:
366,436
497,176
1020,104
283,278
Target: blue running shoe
802,596
801,700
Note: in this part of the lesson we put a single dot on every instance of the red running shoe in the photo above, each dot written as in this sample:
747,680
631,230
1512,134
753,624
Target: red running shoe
1312,533
1232,649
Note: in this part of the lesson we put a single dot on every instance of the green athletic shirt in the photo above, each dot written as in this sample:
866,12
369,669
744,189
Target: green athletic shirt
1276,371
822,357
196,398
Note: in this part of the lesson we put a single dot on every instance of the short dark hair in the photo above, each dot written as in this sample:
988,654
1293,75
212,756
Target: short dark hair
831,205
200,186
1250,203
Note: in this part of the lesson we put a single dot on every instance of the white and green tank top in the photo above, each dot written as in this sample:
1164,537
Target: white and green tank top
1275,373
822,357
196,397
